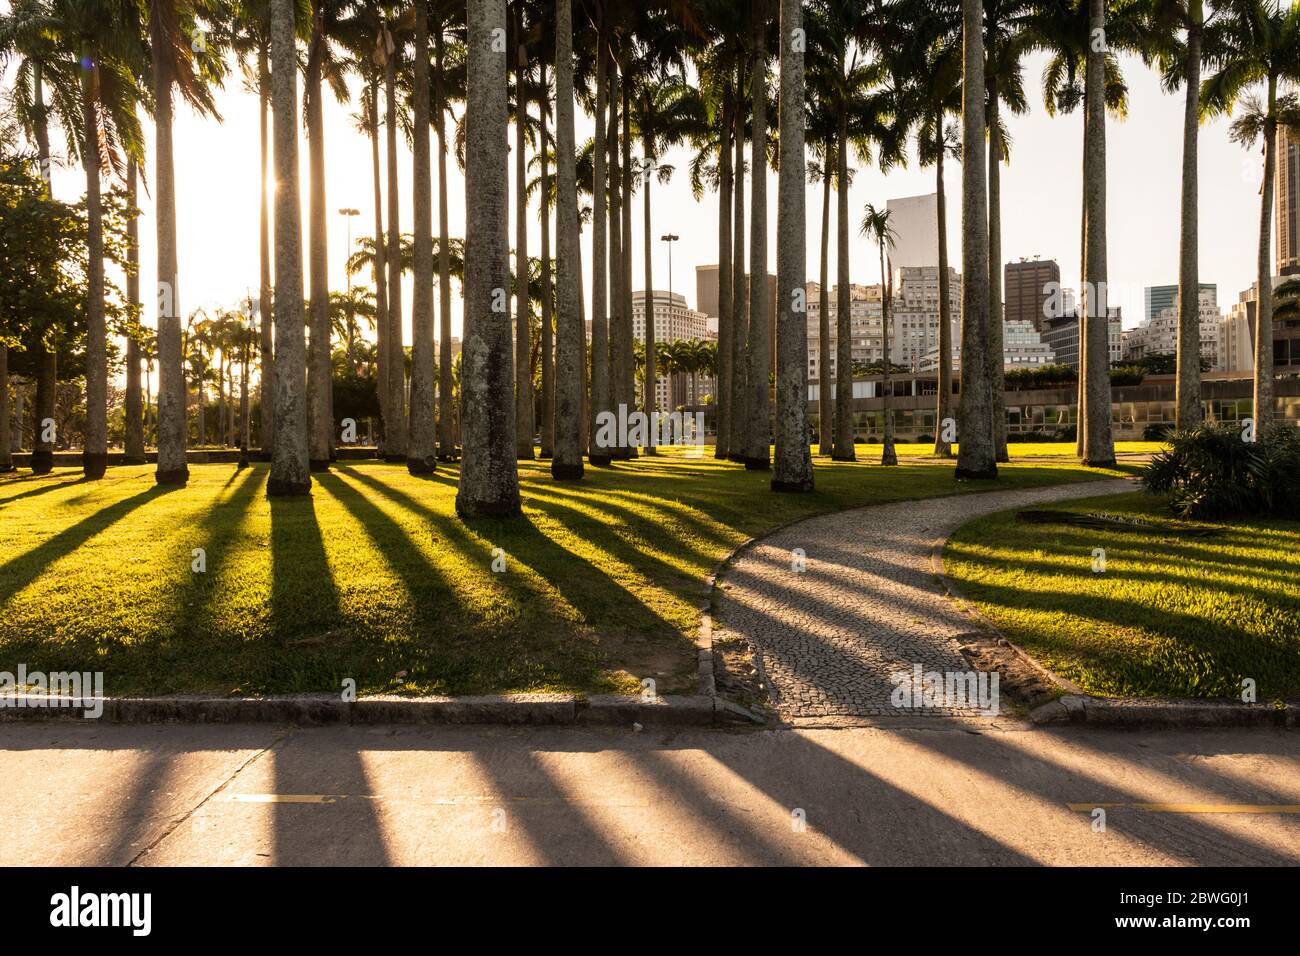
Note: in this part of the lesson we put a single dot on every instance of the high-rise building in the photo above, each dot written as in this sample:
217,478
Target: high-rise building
915,220
914,320
674,321
1061,334
1159,335
1022,347
1028,288
706,299
1157,298
865,326
1288,203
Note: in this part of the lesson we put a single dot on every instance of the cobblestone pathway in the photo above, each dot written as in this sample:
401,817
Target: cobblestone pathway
867,605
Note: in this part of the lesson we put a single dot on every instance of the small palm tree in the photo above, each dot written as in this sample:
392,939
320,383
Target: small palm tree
876,225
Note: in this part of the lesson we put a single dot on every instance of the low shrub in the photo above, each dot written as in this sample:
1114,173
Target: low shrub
1209,472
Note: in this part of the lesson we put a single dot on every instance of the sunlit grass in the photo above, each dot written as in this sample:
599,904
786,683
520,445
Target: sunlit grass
1170,615
374,578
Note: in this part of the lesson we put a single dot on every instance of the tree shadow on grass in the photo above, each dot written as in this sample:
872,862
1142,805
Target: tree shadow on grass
304,597
22,570
40,489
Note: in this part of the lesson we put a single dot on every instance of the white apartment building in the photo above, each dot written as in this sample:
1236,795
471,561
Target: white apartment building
914,319
674,320
915,220
1159,334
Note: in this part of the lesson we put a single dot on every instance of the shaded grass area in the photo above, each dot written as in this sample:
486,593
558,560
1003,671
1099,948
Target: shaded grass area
1171,615
373,577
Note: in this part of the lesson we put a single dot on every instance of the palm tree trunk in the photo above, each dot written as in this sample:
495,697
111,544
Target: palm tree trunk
649,390
133,410
617,261
489,477
943,408
570,338
793,470
1099,448
264,303
548,342
627,353
726,297
825,414
172,431
1263,406
290,467
888,456
395,438
6,433
320,427
380,266
422,451
446,406
1187,402
43,409
95,444
995,351
977,457
523,301
843,449
758,412
740,289
602,280
1081,404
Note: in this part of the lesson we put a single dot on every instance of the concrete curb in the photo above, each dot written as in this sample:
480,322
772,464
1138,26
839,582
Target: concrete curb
1076,707
317,710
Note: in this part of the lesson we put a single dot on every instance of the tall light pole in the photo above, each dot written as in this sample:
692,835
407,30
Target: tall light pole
670,239
349,213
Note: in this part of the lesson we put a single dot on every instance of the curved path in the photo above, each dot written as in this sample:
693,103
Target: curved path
867,604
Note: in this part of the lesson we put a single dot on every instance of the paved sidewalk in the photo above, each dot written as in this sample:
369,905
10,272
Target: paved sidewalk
868,604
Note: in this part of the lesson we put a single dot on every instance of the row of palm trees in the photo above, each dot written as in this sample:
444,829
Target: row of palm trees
857,82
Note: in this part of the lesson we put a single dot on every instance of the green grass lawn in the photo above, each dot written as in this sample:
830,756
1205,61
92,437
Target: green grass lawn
374,578
1170,615
1021,450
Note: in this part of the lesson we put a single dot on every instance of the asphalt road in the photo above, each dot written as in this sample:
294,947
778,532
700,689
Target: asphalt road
934,791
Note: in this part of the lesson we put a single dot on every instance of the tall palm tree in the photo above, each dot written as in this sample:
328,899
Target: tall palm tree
821,134
133,410
1099,445
390,53
321,67
977,455
545,192
1175,33
876,225
570,339
757,416
930,57
1257,43
603,286
740,288
793,470
489,479
523,323
448,86
176,64
290,465
421,450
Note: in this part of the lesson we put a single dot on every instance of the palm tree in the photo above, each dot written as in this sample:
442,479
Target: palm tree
1175,34
290,465
523,326
1098,446
1254,43
176,63
876,225
977,456
757,415
570,344
321,66
738,400
390,51
489,479
448,85
421,450
793,470
931,58
133,410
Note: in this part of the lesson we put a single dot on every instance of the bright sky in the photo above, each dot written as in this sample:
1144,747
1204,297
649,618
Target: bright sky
217,195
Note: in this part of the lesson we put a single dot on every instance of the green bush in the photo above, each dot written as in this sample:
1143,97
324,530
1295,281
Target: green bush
1210,472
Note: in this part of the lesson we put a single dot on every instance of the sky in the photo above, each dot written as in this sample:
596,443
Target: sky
217,199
